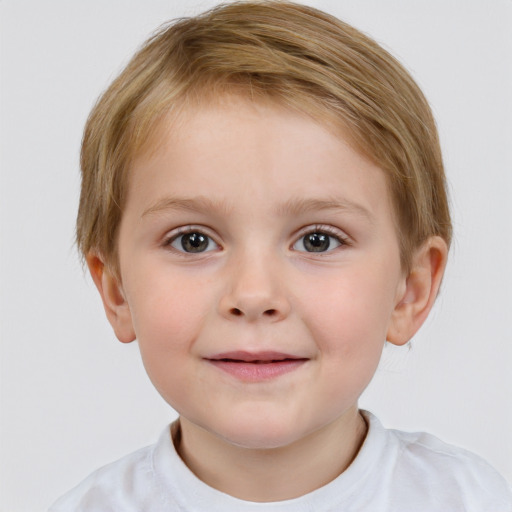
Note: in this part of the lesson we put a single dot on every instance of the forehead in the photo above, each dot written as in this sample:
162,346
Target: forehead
234,146
199,105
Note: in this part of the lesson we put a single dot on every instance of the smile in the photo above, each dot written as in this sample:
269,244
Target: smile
255,367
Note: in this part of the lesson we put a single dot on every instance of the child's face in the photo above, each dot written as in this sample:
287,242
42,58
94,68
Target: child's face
260,267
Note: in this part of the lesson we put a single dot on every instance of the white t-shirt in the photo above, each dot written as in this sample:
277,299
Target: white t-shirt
394,471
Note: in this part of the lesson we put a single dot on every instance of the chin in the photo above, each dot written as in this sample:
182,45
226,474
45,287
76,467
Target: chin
260,435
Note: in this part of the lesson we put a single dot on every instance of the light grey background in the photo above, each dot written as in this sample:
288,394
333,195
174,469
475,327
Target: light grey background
73,398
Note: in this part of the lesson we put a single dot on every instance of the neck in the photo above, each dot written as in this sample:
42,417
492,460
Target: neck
275,474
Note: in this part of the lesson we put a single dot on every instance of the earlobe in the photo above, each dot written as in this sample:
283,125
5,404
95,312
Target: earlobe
112,295
419,293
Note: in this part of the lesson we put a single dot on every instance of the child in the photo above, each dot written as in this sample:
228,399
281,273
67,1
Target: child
263,206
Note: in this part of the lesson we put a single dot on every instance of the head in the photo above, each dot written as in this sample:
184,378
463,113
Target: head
312,140
330,71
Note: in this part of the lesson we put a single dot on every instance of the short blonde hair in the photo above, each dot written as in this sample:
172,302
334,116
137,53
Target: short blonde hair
295,55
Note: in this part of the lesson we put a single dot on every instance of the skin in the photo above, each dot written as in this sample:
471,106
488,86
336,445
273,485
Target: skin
254,180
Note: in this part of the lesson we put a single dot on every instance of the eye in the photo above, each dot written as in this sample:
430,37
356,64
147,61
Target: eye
317,241
192,242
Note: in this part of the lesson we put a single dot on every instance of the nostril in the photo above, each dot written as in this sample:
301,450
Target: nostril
239,312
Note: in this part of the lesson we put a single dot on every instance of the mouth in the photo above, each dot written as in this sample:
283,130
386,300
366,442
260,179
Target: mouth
258,366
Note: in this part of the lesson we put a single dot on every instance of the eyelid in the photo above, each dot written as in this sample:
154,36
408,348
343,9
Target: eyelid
343,239
174,234
171,236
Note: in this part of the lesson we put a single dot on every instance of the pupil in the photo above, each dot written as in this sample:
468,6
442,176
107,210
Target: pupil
194,242
316,242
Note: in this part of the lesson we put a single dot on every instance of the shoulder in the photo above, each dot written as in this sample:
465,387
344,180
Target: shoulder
428,452
127,484
447,474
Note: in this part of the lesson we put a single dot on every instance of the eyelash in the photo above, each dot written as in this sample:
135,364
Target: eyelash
331,233
174,237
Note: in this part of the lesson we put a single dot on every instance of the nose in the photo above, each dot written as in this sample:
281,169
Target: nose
254,292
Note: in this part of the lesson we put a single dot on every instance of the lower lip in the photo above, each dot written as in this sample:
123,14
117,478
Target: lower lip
256,372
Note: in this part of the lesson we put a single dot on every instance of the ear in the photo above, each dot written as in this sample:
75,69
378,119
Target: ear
419,292
112,295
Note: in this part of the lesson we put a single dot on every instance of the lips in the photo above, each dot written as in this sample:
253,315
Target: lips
257,366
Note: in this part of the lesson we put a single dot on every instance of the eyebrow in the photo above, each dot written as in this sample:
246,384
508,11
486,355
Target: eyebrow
290,207
195,204
298,206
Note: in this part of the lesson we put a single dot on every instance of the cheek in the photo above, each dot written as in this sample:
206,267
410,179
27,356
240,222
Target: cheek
348,317
349,330
168,316
168,310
